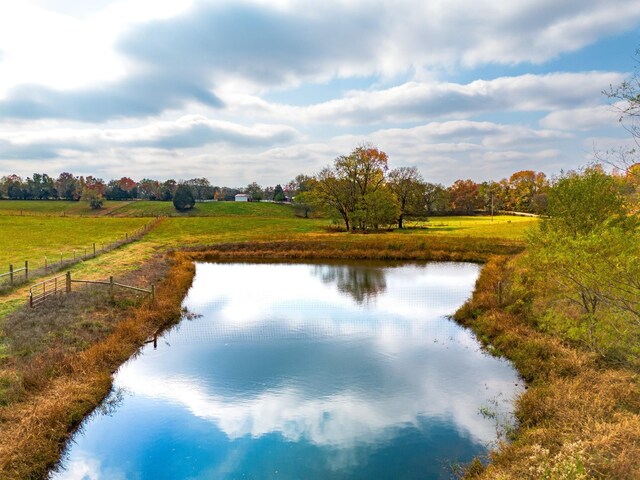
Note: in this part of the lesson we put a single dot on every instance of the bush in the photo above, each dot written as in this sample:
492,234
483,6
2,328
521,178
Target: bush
183,198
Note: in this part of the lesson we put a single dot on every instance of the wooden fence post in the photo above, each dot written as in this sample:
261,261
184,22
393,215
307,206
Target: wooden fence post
94,249
111,287
45,265
11,274
499,293
68,282
26,269
153,292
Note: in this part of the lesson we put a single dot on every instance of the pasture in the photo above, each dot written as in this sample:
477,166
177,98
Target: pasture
35,237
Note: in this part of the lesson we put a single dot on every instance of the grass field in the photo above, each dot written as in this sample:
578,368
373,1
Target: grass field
56,208
34,238
207,209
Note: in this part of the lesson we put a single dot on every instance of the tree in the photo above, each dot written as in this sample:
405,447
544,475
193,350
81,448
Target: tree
183,198
278,194
463,195
435,198
201,188
580,203
167,189
123,189
408,187
255,191
347,187
12,187
525,188
67,186
332,192
149,189
587,253
93,191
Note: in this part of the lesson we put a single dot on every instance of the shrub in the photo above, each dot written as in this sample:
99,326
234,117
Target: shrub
183,198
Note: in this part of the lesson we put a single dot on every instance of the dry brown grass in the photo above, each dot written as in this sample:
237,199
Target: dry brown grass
578,418
35,428
363,247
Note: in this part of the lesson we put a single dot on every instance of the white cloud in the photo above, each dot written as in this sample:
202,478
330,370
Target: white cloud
586,118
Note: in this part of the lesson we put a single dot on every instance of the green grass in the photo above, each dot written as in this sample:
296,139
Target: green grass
176,232
34,238
207,209
502,226
56,208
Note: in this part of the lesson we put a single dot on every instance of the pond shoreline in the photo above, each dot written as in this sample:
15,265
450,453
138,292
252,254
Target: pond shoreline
40,426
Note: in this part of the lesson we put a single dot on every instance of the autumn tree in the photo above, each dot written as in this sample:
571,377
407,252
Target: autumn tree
463,195
525,189
408,188
123,189
149,189
92,191
68,186
348,188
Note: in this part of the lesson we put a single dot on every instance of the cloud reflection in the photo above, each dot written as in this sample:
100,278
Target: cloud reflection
419,364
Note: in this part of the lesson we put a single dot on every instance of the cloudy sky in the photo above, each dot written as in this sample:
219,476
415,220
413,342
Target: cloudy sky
262,90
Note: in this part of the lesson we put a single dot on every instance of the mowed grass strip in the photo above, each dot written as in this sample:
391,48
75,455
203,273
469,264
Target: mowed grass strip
56,208
34,238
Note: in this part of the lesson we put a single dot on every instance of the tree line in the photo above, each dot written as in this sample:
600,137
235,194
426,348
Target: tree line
524,191
68,186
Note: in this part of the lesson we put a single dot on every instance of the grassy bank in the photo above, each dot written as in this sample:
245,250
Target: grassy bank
56,365
61,360
579,418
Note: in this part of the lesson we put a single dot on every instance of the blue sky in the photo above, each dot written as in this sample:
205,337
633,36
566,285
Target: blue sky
257,90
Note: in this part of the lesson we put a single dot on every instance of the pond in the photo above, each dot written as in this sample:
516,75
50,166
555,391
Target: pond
303,371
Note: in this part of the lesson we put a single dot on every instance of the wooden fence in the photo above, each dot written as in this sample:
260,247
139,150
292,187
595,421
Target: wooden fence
62,284
13,271
53,264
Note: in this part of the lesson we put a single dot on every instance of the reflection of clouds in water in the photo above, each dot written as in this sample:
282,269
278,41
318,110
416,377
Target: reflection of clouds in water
346,420
84,467
279,352
416,378
404,340
247,294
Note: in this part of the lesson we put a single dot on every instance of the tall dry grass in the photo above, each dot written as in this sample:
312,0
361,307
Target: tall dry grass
36,427
578,418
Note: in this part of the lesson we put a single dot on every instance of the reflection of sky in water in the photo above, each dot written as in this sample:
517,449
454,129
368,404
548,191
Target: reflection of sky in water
346,371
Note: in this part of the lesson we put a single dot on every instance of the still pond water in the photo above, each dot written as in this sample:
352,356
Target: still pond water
301,371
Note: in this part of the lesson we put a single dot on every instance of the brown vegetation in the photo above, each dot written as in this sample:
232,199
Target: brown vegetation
579,418
365,247
54,383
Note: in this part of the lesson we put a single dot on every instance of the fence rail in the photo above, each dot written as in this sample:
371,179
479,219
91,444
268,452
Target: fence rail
66,259
13,271
62,284
52,286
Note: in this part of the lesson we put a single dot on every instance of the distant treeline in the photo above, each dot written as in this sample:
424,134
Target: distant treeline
524,191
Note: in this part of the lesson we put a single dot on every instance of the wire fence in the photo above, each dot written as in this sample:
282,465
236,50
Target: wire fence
18,274
62,284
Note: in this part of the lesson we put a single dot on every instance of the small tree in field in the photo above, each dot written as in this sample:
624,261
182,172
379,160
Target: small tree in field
93,196
183,198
